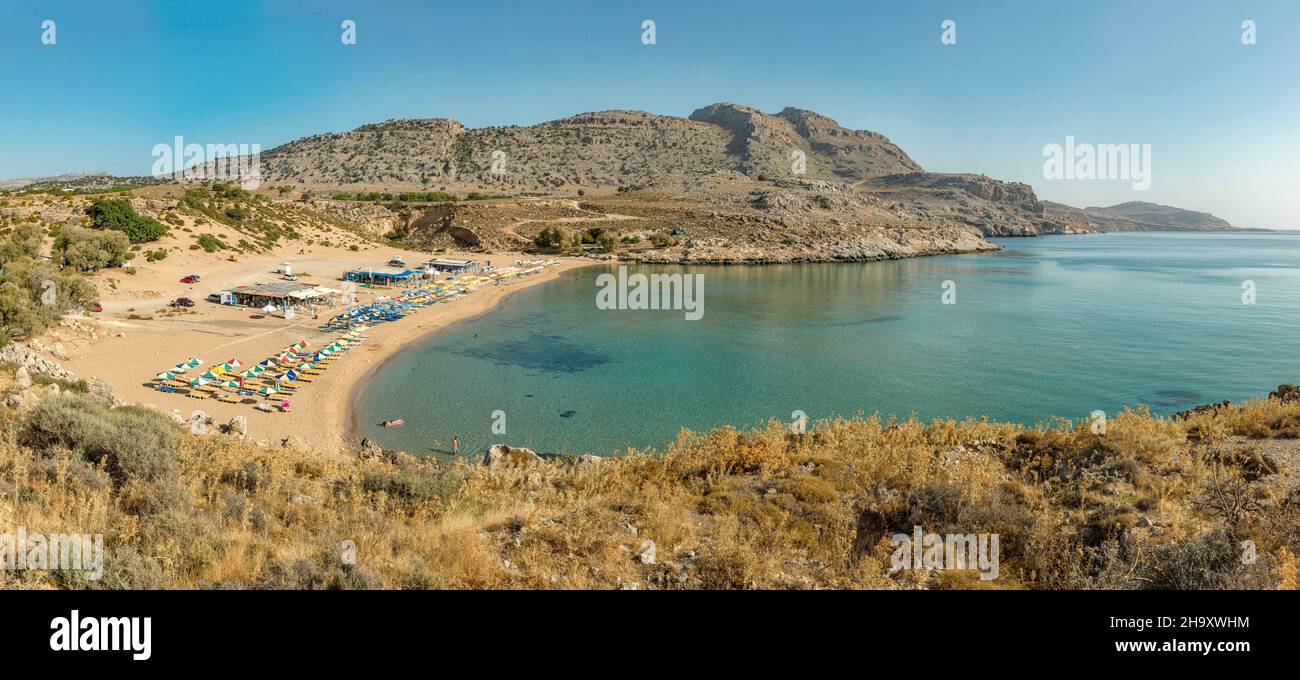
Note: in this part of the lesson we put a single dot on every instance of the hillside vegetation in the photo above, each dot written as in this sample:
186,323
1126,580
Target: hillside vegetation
1153,503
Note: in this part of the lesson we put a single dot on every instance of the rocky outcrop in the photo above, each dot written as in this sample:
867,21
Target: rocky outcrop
501,455
1285,392
15,353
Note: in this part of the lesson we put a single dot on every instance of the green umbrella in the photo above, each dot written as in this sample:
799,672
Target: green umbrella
192,362
267,391
165,375
198,381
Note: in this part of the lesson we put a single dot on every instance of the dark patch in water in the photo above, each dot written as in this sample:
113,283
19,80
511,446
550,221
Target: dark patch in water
538,351
1175,398
568,414
529,395
874,319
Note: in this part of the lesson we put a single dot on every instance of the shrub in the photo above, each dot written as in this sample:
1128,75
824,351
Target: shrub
89,250
663,239
118,215
130,441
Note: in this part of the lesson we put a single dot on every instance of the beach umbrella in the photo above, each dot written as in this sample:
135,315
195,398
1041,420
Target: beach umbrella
165,375
266,362
267,391
250,373
230,383
234,363
211,374
192,362
181,367
198,381
306,366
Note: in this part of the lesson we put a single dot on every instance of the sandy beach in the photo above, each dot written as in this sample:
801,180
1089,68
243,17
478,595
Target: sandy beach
138,335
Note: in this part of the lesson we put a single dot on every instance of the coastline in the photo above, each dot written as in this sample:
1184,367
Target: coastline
386,341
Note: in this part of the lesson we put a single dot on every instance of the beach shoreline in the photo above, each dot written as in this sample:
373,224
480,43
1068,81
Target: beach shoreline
347,387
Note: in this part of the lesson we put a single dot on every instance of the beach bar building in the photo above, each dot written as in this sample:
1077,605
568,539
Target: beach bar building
451,265
282,294
384,276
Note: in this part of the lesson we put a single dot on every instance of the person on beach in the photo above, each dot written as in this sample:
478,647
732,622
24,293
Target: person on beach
455,445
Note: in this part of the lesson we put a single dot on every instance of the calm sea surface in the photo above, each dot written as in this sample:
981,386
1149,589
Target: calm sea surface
1049,326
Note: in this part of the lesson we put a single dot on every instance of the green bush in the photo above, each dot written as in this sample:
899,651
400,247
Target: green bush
89,250
118,215
132,442
210,243
34,294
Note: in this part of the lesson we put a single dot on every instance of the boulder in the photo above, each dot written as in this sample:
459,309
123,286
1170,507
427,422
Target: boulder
238,426
1285,392
24,377
102,390
59,352
369,450
499,455
646,554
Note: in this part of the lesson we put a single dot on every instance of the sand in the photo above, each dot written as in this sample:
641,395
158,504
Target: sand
128,352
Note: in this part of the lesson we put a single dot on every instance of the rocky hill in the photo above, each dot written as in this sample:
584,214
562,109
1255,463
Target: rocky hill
729,183
604,149
1135,216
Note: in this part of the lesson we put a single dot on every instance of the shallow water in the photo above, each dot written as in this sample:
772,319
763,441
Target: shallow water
1049,326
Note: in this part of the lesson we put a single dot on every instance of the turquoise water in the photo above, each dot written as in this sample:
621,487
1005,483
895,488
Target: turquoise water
1049,326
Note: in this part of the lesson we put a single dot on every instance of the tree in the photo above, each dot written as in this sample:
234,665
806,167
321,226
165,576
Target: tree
25,241
607,241
118,215
87,250
34,294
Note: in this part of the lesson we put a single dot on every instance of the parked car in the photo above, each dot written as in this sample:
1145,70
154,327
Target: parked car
182,302
290,277
96,307
397,262
214,297
192,278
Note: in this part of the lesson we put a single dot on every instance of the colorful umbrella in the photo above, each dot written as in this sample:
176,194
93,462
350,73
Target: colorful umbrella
198,381
267,391
236,363
165,375
192,362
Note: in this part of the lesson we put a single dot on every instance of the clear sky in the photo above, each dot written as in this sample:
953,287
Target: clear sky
1221,117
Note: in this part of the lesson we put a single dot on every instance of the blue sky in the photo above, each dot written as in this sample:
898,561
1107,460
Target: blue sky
1221,116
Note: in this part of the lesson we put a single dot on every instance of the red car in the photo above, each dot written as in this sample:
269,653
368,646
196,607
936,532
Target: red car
183,302
192,278
96,307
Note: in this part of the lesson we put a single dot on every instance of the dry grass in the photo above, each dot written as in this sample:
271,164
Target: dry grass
1133,508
